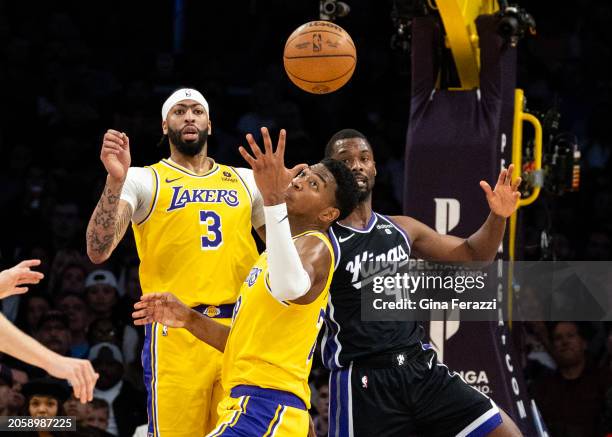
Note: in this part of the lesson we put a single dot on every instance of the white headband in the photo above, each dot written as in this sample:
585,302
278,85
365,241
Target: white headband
184,94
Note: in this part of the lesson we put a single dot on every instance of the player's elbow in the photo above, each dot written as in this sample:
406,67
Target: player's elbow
95,256
289,287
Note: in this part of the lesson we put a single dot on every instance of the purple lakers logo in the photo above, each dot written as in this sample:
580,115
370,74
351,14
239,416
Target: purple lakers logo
253,275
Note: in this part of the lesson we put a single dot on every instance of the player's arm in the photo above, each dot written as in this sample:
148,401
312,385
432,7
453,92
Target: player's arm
79,373
112,214
167,309
293,269
482,245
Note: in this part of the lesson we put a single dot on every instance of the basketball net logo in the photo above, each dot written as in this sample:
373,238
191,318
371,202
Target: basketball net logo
448,212
316,42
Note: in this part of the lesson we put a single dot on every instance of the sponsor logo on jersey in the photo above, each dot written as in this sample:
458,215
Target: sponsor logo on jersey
181,197
227,177
383,226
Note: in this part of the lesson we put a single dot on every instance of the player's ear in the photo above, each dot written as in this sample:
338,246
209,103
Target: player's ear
165,127
209,127
329,215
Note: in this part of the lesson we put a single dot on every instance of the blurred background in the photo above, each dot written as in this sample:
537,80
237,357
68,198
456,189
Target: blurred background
71,70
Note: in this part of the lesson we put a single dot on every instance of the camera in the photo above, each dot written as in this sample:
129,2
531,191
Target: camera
514,23
331,9
560,158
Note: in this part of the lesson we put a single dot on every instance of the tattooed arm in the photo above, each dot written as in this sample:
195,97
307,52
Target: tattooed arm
112,215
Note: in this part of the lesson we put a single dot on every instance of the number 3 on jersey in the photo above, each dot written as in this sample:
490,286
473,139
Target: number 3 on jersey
213,237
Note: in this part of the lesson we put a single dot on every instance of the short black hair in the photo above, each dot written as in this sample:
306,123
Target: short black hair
343,135
347,191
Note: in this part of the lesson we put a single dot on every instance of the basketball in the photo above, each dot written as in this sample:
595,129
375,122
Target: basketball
319,57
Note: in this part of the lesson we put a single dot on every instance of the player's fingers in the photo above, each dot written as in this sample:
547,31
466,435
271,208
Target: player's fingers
265,134
486,188
29,263
296,170
142,322
20,290
248,158
87,376
502,176
111,145
113,132
508,179
26,276
280,147
516,184
126,141
115,137
254,147
151,297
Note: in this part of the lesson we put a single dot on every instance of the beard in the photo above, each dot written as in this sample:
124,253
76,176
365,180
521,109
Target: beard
189,148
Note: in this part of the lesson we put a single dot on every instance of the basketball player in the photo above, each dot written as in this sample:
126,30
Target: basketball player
192,220
13,341
268,350
383,380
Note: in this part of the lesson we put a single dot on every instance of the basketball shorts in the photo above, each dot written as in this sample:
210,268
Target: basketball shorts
182,375
257,412
406,393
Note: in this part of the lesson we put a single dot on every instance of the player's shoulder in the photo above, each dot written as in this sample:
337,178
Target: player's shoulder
138,174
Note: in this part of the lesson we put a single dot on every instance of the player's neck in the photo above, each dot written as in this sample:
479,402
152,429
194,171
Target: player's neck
198,164
361,215
298,226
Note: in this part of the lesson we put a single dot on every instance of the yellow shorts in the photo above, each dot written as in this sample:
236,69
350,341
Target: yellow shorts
183,379
258,412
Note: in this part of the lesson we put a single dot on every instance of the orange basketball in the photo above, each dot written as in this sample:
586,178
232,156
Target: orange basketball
320,57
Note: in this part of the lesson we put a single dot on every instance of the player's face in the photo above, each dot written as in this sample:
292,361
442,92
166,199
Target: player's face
357,155
187,127
312,194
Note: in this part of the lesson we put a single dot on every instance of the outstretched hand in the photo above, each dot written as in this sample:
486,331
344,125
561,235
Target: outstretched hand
79,373
271,175
162,308
13,279
503,200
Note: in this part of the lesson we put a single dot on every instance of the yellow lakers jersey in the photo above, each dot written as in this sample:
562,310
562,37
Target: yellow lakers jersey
196,240
271,343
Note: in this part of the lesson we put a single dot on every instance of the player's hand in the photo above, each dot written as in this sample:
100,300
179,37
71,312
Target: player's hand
11,280
115,154
503,200
271,175
79,373
162,308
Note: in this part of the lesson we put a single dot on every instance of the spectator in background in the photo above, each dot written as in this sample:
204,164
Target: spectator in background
54,332
321,404
31,310
102,295
79,318
572,399
66,225
11,401
127,405
71,279
98,414
45,397
73,407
